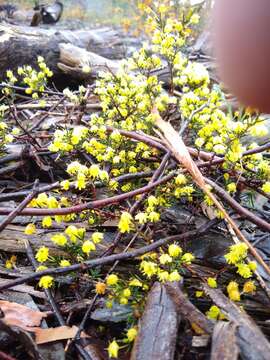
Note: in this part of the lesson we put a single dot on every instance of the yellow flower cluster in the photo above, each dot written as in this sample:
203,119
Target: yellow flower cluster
51,202
237,256
5,136
166,267
36,81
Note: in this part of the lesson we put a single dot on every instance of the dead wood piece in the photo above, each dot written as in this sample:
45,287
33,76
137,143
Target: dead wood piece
20,45
224,344
73,59
252,342
14,241
158,327
188,310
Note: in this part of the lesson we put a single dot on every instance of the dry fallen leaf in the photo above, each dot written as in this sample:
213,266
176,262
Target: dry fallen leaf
44,336
20,315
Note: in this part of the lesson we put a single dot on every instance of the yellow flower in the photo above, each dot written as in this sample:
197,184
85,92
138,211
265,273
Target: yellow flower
135,282
65,184
249,287
30,229
154,216
81,181
100,288
112,279
195,18
187,258
231,187
174,250
213,312
237,253
174,276
244,270
233,291
64,263
47,222
165,259
94,171
252,265
72,232
125,222
46,281
86,69
266,187
163,275
180,179
141,217
59,239
212,282
131,334
41,268
199,294
10,263
123,301
97,237
148,268
127,293
42,254
103,175
88,246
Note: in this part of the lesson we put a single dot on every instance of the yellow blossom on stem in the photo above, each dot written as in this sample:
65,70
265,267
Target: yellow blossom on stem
112,279
174,276
97,237
249,287
174,250
59,239
64,263
212,282
148,268
131,334
125,222
165,259
46,281
88,246
42,254
141,217
30,229
47,222
100,288
188,258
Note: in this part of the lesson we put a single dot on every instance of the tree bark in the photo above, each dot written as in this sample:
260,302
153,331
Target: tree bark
20,45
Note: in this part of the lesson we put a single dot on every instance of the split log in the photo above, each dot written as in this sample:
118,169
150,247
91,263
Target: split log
188,311
21,45
158,327
224,344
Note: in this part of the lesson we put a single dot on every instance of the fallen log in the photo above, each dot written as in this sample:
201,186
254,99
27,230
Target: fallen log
21,45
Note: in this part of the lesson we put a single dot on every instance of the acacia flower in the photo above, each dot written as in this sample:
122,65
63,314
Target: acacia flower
30,229
46,281
42,254
125,222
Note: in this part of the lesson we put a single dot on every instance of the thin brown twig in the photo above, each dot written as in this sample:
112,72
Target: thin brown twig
20,207
89,205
